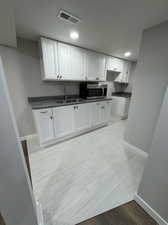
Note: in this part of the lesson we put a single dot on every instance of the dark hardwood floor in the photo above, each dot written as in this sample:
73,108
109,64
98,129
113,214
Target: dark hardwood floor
128,214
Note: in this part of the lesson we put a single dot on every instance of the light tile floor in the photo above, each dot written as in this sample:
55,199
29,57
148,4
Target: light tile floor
85,176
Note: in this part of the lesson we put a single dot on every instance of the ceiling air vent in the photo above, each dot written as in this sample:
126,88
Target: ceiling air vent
68,17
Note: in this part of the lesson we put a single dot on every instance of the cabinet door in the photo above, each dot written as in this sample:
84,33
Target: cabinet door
103,112
63,58
115,64
95,66
100,112
77,57
118,106
126,72
92,66
82,116
96,116
71,62
102,67
49,59
44,124
63,120
108,111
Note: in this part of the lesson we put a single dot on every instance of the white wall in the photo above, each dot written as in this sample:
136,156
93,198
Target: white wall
17,204
151,79
22,69
154,185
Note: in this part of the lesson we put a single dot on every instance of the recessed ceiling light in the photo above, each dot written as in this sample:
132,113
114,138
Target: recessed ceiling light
127,54
74,35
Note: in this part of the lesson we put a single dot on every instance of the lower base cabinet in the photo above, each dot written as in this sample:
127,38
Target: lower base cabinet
63,121
44,124
120,107
82,116
55,124
101,113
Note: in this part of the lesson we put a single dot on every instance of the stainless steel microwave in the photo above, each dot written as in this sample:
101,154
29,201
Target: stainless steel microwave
91,91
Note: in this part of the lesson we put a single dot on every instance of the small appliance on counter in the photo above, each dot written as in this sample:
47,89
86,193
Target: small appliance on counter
93,90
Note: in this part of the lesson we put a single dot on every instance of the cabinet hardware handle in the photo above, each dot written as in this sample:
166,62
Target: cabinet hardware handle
57,76
51,117
44,111
60,77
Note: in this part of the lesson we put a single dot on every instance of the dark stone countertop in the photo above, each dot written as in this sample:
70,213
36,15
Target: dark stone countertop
57,101
122,94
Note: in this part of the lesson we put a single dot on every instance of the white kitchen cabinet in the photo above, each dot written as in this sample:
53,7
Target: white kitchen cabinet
123,77
115,64
95,113
102,63
95,64
71,62
62,61
120,106
63,120
49,59
100,112
44,124
108,111
105,112
82,116
91,66
60,122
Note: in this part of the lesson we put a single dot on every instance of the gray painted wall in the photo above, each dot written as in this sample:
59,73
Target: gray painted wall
151,79
22,69
154,185
17,204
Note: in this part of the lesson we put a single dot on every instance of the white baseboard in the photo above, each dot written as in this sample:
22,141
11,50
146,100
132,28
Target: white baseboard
39,214
135,149
150,210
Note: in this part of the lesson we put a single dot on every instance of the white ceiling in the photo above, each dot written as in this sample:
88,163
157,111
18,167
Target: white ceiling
110,26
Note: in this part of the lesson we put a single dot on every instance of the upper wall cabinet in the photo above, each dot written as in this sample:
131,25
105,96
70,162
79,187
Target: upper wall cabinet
123,77
49,59
71,62
60,61
115,64
95,66
102,59
122,67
